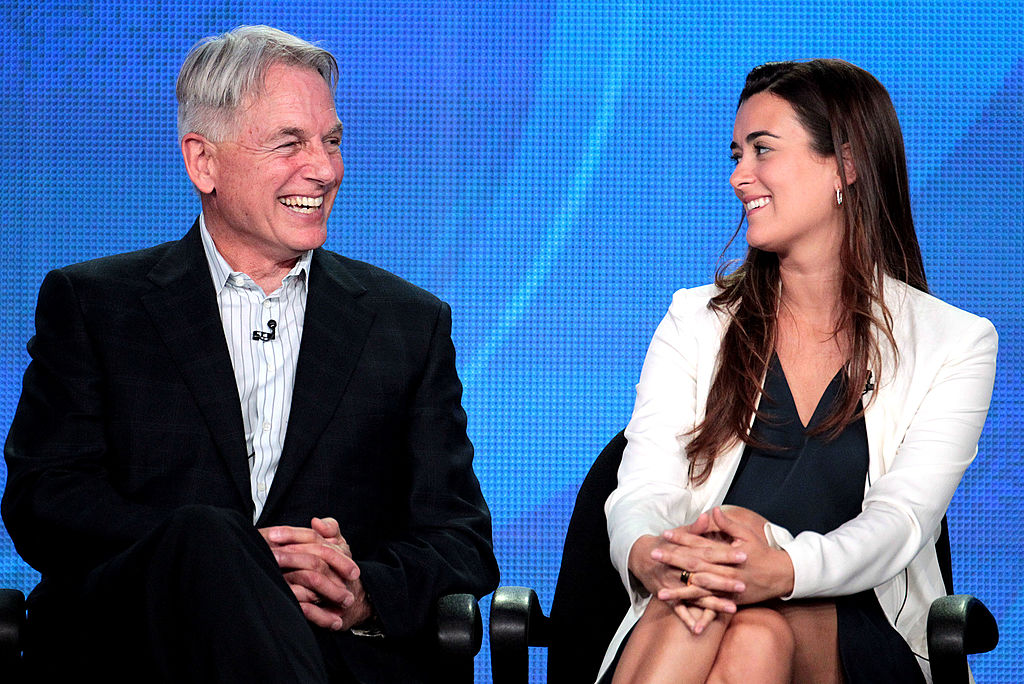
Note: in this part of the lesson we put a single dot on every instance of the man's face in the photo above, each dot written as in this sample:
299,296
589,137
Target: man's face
276,176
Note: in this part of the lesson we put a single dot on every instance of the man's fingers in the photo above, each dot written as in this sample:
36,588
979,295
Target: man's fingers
322,617
289,558
332,590
329,529
303,594
286,534
319,557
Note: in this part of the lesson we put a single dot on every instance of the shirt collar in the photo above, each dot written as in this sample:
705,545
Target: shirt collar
222,273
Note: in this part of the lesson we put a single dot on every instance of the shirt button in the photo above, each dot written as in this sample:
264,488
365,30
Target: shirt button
261,487
266,427
267,304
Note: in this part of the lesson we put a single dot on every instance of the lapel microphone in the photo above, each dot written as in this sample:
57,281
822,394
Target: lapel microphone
262,336
868,386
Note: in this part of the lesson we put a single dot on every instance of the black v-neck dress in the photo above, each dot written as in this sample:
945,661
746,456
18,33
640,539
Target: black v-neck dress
809,483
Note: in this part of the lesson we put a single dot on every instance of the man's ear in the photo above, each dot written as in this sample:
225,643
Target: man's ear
849,168
199,153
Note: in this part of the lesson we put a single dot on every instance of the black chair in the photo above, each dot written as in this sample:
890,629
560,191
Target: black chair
589,603
458,625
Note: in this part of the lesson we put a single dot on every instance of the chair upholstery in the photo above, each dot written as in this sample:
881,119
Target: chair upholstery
589,603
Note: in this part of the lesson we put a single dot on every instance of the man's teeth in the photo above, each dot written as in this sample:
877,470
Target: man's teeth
303,205
756,203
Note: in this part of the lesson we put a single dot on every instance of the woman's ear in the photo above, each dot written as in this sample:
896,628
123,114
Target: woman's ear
849,168
198,153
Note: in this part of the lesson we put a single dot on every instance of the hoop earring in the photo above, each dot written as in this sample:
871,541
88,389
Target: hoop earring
839,197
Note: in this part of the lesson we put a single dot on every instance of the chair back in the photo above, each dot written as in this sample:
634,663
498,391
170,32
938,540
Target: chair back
589,599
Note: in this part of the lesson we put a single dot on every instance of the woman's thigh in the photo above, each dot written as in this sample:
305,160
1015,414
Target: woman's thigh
814,627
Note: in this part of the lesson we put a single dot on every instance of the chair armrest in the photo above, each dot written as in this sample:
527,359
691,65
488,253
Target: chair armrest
12,627
459,634
517,622
957,626
459,626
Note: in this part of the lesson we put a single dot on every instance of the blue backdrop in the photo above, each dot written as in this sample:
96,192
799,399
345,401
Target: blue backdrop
555,170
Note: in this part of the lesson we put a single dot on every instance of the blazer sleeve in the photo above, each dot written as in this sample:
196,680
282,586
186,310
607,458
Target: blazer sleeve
59,506
446,547
948,400
653,492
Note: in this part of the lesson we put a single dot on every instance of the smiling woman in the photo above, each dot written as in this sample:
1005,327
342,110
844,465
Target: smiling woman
787,188
760,392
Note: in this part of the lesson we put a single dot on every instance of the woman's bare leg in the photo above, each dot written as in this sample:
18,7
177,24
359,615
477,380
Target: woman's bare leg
817,641
662,649
758,646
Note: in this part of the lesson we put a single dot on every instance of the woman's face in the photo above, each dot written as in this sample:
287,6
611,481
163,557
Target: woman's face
787,189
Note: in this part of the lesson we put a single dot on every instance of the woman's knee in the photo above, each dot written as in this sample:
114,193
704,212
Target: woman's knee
757,640
764,631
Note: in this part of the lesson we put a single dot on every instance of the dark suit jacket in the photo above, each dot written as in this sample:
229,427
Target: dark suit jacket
130,410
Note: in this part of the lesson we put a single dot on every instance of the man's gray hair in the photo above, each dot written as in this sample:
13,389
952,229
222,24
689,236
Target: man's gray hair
220,72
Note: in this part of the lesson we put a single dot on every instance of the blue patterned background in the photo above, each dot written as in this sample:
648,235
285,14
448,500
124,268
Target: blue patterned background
555,170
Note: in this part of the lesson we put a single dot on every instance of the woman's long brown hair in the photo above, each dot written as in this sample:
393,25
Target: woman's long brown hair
842,107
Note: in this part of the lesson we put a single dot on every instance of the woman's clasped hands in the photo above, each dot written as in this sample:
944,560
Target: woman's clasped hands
711,566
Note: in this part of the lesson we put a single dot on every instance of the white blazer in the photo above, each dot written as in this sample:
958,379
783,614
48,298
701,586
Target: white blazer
923,426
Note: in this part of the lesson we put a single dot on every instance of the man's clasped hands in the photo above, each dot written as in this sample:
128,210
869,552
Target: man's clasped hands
318,566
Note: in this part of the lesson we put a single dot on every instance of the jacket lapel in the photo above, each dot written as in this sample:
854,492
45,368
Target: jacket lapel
334,332
183,308
891,385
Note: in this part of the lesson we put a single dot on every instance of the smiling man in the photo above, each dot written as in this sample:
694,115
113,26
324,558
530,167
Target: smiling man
239,456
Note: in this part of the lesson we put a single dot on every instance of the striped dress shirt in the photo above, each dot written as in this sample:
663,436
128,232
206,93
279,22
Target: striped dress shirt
264,370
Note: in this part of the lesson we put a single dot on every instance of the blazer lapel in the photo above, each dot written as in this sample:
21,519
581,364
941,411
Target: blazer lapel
184,310
891,385
334,332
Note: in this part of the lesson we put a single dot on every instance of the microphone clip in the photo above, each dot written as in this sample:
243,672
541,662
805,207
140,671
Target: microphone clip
868,386
261,336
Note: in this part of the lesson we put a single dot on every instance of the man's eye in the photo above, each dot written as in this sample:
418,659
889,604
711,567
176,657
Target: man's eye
761,149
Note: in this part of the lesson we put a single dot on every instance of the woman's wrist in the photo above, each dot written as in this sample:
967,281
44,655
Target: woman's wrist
786,576
642,566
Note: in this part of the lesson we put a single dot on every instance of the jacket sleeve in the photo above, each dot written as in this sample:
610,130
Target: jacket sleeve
653,492
446,546
59,505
